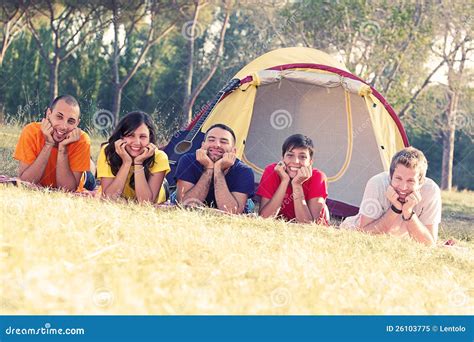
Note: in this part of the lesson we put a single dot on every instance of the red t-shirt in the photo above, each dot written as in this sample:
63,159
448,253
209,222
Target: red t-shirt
314,187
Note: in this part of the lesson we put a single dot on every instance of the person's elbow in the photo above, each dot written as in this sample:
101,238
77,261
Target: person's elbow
25,177
108,194
232,209
428,241
72,187
265,213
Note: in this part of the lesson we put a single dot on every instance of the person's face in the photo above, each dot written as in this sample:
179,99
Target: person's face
295,159
218,141
137,140
405,181
64,118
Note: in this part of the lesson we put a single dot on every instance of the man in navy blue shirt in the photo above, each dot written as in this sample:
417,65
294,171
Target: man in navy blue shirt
213,175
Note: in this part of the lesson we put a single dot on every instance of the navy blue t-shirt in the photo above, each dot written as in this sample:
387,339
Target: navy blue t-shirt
240,177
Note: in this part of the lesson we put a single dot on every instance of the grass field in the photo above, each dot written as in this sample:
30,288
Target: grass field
62,254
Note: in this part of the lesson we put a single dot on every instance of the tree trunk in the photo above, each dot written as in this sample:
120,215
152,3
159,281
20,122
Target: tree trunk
117,103
115,68
54,78
188,86
2,114
214,64
448,144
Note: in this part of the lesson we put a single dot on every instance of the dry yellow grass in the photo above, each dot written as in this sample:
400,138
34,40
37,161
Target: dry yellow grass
61,254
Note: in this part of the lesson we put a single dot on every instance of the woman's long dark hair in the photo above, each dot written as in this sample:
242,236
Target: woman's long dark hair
127,125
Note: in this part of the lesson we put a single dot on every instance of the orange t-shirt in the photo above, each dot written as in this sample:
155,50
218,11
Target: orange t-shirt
31,143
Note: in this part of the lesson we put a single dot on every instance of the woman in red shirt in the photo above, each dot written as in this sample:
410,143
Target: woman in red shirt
292,188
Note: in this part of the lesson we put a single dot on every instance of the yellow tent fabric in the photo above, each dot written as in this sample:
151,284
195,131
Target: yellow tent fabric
236,110
385,130
354,134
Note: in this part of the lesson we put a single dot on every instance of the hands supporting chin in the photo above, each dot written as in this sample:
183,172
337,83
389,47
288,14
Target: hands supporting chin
407,205
227,160
304,173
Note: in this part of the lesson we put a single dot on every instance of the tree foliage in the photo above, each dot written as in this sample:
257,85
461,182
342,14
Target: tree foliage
121,56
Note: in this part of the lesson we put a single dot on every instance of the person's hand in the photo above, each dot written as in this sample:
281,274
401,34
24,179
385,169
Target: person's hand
203,158
148,151
47,130
410,202
280,169
72,136
227,160
303,174
392,197
122,152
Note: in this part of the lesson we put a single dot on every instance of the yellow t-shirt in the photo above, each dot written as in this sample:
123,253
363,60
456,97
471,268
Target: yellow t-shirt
161,164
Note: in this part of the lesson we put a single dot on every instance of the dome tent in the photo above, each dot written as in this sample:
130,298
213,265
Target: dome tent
304,90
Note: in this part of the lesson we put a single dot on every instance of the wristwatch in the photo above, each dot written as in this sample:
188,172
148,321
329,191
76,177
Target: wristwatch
408,219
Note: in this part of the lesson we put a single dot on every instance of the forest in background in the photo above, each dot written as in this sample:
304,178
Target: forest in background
168,58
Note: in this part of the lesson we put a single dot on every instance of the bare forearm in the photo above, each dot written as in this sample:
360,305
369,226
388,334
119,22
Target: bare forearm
115,189
64,177
200,190
381,225
142,189
273,206
35,171
302,212
419,232
224,199
316,213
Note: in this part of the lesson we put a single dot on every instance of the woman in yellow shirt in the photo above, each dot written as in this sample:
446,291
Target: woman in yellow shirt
130,165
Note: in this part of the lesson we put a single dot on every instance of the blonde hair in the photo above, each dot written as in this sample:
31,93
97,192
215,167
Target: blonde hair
411,158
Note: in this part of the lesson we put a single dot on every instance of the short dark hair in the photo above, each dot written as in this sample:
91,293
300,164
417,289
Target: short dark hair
69,99
297,141
222,126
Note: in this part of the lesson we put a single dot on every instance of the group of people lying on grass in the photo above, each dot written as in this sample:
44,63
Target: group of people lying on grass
56,153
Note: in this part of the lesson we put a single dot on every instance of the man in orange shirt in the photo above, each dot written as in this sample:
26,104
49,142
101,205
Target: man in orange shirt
55,152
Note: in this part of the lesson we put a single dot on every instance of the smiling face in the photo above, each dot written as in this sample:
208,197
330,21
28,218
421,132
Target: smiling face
295,159
405,180
64,118
218,141
137,140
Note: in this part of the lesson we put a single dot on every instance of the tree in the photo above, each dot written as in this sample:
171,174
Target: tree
190,94
379,41
12,21
155,19
69,24
455,49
